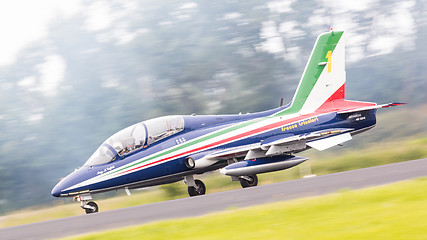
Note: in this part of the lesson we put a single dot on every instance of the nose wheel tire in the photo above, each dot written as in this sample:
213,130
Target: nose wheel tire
248,181
91,207
199,189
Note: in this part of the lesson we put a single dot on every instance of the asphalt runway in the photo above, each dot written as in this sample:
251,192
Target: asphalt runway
196,206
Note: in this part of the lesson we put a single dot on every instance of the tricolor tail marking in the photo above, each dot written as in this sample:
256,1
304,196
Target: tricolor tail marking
318,82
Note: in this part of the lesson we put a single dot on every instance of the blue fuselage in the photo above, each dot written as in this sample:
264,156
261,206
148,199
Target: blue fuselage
196,127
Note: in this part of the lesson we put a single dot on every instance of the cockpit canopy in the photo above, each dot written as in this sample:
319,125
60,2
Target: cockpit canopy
136,136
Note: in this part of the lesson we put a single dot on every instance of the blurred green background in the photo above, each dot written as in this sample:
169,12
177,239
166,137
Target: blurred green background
109,64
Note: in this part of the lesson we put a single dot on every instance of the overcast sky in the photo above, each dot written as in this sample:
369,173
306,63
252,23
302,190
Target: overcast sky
23,22
26,22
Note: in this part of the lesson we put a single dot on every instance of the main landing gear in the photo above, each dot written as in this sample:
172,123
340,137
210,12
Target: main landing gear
88,206
248,181
195,187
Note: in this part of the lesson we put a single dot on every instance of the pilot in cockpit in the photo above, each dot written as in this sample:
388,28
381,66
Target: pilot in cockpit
125,146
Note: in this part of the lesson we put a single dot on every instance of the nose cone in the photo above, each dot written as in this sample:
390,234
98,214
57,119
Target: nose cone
66,184
56,191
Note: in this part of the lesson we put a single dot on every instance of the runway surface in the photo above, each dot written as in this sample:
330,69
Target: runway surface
196,206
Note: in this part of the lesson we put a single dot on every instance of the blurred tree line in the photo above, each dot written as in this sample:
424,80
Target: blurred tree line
172,57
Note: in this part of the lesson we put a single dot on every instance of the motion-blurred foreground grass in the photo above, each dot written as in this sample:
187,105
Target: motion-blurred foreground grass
396,211
322,163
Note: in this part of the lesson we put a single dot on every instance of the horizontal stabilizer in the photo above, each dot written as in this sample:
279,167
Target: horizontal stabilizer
371,107
326,143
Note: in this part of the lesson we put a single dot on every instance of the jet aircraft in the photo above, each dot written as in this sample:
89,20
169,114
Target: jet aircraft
175,148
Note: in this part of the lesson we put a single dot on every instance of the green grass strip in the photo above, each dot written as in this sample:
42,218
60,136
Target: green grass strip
396,211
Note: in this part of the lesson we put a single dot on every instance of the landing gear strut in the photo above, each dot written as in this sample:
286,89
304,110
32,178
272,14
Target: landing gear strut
248,181
88,206
195,187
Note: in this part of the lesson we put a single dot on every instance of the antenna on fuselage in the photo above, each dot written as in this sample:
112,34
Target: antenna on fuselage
281,102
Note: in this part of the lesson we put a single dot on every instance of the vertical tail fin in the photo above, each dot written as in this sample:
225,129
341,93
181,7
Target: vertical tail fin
324,75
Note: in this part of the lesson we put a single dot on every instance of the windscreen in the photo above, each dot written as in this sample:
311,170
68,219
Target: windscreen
102,155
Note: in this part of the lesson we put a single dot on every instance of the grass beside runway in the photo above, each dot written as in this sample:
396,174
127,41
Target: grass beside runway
395,211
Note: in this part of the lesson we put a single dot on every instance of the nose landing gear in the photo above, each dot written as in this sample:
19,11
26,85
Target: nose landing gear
88,206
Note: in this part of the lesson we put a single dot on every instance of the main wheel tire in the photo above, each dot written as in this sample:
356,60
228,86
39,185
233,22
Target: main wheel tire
199,189
89,210
249,181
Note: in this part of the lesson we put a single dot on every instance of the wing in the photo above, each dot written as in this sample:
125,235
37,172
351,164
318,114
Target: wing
284,144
